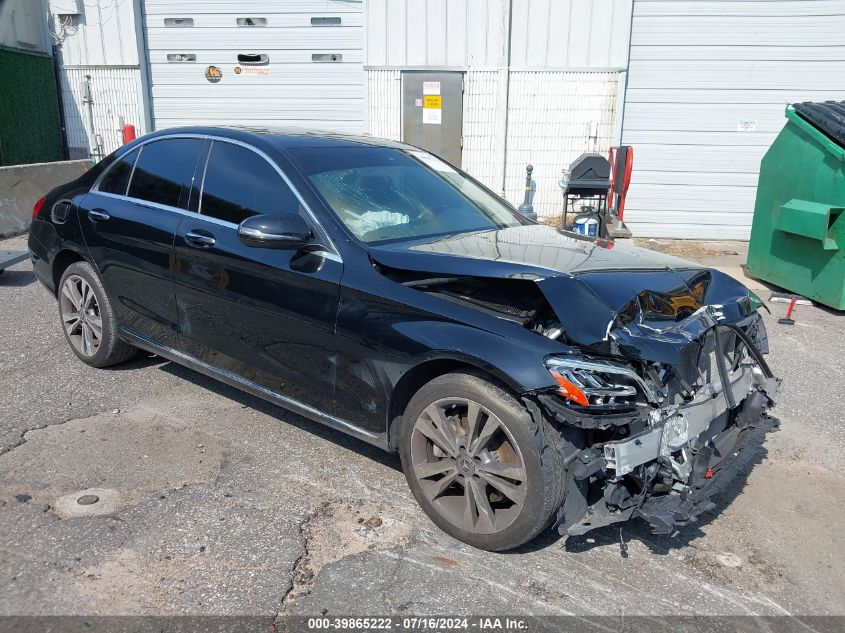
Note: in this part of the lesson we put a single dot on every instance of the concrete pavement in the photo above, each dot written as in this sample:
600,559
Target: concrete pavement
223,504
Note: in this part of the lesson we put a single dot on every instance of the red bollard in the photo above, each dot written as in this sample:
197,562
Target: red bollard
129,133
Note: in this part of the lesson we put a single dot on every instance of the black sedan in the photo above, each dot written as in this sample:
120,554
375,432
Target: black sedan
527,377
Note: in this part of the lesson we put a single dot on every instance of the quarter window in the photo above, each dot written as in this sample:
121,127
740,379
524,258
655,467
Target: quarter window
164,172
117,178
239,183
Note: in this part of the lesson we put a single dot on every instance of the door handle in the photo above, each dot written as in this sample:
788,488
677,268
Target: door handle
199,239
98,215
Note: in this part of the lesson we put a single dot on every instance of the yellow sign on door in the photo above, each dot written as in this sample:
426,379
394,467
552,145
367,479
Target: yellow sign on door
432,102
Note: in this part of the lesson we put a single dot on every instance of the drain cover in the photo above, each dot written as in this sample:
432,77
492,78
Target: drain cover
88,502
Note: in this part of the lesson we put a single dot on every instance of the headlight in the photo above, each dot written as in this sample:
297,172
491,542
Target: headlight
599,385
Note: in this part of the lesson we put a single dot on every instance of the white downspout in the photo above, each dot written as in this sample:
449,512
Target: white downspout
503,85
145,82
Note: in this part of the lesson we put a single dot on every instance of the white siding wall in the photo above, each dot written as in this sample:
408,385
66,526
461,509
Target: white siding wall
456,33
291,90
697,69
551,118
570,33
105,35
479,128
384,104
434,32
115,92
103,45
22,25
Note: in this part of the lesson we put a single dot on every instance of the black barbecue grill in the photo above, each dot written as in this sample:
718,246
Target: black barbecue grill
587,188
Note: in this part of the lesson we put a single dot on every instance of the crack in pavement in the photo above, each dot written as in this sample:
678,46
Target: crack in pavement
390,583
333,531
23,436
481,578
22,439
135,453
302,577
299,581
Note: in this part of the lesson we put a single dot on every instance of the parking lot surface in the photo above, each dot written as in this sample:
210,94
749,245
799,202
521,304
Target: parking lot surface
212,501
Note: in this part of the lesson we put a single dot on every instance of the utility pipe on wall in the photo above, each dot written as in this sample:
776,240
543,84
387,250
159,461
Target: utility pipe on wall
503,88
95,140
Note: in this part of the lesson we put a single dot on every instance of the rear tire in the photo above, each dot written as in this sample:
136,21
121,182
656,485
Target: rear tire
477,463
87,318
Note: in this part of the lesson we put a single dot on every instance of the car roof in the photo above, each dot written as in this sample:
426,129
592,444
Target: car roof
286,137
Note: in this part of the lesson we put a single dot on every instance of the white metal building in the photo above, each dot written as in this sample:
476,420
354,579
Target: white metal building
698,87
707,87
147,62
21,26
280,62
541,80
101,56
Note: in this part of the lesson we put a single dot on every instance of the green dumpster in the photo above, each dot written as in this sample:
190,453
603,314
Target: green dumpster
798,232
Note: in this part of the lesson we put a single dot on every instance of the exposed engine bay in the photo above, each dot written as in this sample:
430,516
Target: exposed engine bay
516,300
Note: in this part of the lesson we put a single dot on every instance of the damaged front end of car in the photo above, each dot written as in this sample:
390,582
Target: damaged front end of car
655,373
658,438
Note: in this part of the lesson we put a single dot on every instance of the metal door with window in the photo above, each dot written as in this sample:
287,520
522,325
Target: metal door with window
432,112
264,314
128,228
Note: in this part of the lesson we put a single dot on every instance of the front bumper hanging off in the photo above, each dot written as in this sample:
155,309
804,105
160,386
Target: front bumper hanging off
704,446
666,512
677,429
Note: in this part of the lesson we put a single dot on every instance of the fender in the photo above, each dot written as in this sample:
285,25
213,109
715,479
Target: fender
50,249
379,343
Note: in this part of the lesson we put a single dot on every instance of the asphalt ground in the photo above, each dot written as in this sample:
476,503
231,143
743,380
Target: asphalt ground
214,502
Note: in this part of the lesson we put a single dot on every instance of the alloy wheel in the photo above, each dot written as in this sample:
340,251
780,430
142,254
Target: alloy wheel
468,465
81,315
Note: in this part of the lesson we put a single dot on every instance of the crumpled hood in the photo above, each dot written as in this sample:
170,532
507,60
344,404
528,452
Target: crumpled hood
648,315
611,297
522,252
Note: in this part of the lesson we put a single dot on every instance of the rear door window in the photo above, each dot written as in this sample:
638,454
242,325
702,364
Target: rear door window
116,179
164,172
239,183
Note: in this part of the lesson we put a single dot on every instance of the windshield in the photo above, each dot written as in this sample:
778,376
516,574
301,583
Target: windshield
383,194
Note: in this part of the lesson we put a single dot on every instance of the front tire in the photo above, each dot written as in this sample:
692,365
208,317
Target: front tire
87,318
477,464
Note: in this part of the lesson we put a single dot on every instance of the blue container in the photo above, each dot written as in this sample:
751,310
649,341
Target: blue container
586,226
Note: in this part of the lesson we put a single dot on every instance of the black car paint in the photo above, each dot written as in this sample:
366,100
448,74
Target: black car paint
133,251
337,341
264,314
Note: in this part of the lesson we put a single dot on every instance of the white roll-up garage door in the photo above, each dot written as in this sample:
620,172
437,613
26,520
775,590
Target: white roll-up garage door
707,87
277,62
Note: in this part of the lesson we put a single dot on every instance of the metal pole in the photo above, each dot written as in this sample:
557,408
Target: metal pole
503,89
95,143
145,125
527,206
564,185
60,99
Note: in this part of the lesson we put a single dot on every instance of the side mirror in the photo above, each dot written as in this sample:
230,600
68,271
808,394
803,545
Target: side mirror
286,231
